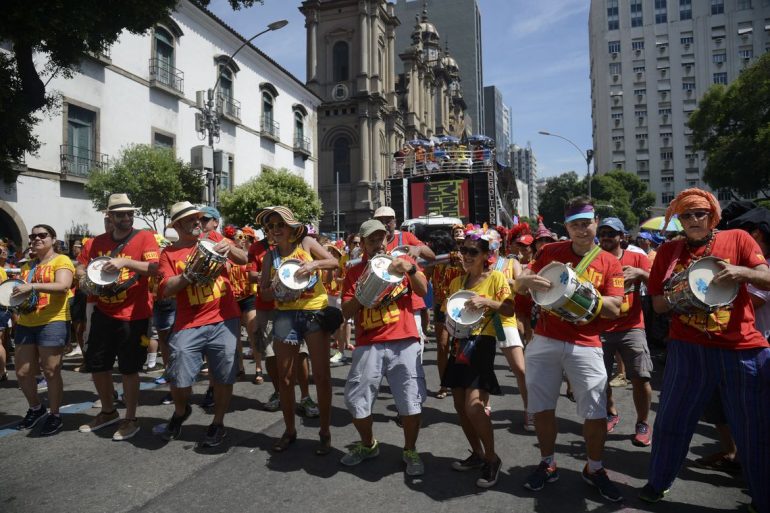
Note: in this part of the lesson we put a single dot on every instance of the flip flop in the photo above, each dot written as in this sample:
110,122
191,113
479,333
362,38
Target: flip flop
441,394
259,378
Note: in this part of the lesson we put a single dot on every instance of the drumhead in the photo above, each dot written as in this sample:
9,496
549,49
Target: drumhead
700,277
99,276
6,289
287,274
399,251
558,274
380,264
455,308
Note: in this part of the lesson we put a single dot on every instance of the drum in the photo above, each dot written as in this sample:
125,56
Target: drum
24,304
286,286
376,284
571,297
692,291
399,251
204,264
97,281
461,321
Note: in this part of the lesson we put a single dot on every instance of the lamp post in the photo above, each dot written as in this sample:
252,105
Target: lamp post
207,121
588,155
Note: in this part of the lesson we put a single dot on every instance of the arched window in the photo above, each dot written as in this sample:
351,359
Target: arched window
340,61
341,159
225,82
267,107
164,47
299,126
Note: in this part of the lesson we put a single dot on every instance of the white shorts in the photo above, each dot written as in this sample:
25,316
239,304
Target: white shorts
547,359
512,338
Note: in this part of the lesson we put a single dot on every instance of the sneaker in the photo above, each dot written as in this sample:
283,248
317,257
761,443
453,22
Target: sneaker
543,474
4,376
472,462
619,380
612,421
643,435
359,453
76,351
32,417
488,410
489,473
208,399
529,422
601,480
214,436
274,403
100,421
308,408
97,404
52,425
336,358
127,429
174,427
161,380
414,465
649,494
167,399
158,367
42,385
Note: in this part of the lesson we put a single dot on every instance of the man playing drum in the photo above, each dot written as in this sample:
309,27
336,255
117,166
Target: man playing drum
560,346
712,350
121,315
387,345
626,334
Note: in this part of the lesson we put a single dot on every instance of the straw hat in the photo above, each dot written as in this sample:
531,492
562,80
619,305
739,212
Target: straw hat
286,214
181,210
120,203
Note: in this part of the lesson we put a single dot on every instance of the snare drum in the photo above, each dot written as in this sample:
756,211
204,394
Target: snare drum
692,291
399,251
204,264
462,321
571,297
376,284
24,304
286,286
97,281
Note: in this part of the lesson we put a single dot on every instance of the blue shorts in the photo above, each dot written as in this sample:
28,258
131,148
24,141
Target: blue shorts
164,314
5,319
217,341
291,326
53,334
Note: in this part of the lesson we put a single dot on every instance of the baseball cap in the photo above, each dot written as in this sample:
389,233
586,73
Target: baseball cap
371,226
646,236
211,212
384,212
525,240
614,223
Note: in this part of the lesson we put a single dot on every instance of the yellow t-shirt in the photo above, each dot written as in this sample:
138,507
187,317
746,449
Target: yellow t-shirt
495,287
50,306
313,299
3,275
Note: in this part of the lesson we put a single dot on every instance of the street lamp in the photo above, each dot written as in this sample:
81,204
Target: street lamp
207,121
587,156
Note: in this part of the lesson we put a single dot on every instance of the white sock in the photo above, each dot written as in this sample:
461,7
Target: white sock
151,359
594,466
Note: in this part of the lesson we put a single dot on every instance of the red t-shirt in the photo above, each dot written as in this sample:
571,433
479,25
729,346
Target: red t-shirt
401,238
256,254
387,324
135,303
631,309
728,328
197,305
604,272
86,247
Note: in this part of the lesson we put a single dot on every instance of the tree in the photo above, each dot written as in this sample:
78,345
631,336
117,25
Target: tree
623,195
153,178
732,126
558,190
51,38
271,188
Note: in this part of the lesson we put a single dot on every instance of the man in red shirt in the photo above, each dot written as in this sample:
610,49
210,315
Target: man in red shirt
560,346
710,351
121,315
387,345
626,334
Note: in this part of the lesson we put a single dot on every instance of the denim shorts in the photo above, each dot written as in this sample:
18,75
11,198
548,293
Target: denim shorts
217,341
291,326
53,334
163,314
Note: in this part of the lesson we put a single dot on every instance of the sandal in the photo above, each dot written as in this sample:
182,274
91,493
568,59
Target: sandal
325,446
259,378
442,393
720,462
284,442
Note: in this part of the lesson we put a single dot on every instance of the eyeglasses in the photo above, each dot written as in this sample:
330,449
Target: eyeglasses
356,243
276,226
473,252
608,234
205,219
700,214
41,235
123,214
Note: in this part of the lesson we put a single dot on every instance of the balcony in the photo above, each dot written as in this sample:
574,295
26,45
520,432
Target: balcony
80,162
270,128
229,107
302,146
166,77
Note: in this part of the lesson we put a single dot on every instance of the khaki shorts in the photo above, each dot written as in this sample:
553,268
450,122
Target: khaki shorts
632,345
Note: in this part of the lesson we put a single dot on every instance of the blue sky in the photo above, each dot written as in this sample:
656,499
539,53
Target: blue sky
535,52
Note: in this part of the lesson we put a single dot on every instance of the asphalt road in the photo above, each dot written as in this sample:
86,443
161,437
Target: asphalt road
88,473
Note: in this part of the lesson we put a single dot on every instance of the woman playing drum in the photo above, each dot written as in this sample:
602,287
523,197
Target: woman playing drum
470,371
43,331
296,319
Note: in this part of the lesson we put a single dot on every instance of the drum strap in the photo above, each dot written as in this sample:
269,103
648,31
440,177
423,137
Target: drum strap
587,259
117,289
31,273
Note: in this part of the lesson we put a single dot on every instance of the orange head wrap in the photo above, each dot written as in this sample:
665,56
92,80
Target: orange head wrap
695,199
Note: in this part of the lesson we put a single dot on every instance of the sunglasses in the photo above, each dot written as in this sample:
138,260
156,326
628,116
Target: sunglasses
41,236
123,214
276,226
205,219
356,243
608,234
473,252
693,215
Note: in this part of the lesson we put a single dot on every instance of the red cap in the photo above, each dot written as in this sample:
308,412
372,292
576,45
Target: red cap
525,239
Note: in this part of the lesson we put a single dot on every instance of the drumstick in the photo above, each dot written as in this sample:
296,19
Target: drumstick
440,259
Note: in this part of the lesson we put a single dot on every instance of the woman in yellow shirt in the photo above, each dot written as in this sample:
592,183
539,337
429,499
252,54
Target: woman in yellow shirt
42,330
295,320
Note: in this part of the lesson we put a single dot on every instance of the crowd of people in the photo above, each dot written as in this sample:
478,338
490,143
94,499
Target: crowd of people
574,308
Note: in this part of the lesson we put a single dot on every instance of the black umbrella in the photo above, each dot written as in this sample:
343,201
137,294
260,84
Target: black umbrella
758,217
733,210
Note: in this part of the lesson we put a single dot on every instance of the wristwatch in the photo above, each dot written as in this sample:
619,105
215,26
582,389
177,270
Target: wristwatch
412,270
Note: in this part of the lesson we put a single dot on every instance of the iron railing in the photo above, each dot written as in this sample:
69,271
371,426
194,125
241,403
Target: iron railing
80,161
164,74
270,127
422,161
229,106
301,144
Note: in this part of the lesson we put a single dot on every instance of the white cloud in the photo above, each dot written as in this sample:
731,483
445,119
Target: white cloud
544,15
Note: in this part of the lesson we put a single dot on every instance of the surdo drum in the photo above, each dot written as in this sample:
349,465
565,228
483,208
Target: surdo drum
376,284
571,297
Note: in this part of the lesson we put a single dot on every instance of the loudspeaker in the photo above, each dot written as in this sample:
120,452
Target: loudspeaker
479,196
394,196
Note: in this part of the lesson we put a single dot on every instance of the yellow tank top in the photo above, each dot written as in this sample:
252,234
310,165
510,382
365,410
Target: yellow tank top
312,299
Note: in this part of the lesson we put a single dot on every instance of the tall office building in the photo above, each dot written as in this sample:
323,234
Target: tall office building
651,62
497,123
524,167
459,25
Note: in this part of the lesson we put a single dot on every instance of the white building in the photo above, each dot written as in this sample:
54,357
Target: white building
524,166
651,62
144,91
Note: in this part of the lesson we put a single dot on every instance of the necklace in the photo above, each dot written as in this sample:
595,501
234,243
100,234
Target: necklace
707,241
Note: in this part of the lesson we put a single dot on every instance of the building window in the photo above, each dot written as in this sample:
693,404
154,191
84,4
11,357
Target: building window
724,195
637,45
717,6
640,92
79,154
227,103
617,115
636,13
341,159
664,112
641,137
661,15
613,18
639,69
693,183
688,86
667,179
301,141
666,197
720,78
160,140
613,46
685,9
746,53
340,61
614,68
744,4
687,40
640,113
666,155
719,57
225,174
162,68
